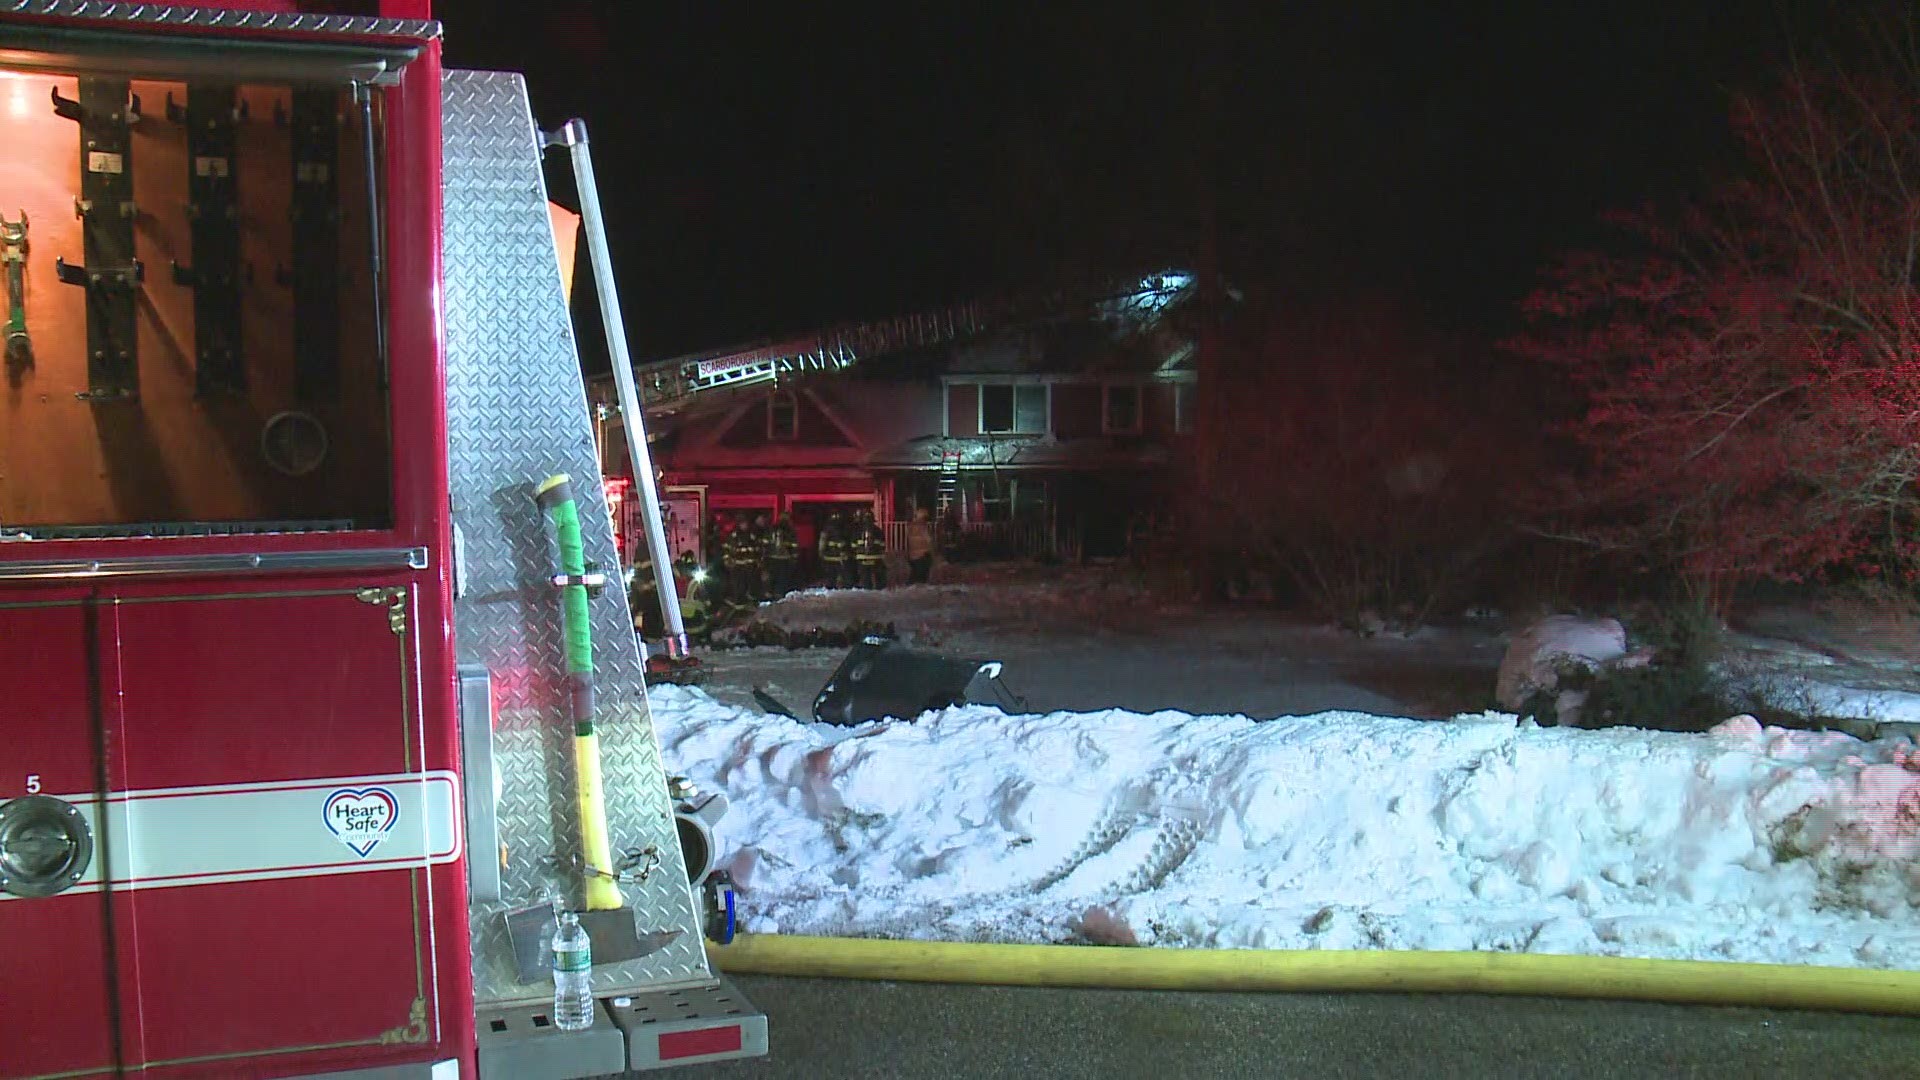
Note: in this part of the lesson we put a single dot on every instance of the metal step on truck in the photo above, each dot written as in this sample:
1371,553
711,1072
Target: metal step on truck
319,713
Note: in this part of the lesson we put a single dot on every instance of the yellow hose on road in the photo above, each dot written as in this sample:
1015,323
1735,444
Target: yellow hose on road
1694,982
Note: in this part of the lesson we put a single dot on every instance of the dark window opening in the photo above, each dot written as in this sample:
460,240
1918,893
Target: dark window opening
1013,410
996,408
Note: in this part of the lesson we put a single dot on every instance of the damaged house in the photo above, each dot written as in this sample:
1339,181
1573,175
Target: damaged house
1037,437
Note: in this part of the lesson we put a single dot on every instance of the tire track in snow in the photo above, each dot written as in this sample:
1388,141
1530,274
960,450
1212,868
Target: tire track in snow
1176,842
1107,832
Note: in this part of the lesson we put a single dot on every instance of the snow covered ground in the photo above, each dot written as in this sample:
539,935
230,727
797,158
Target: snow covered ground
1131,806
1865,667
1335,831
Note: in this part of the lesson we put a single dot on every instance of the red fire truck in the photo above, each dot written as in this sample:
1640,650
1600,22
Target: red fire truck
304,745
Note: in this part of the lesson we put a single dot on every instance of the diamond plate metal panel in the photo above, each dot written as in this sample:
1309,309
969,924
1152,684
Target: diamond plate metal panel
517,413
198,18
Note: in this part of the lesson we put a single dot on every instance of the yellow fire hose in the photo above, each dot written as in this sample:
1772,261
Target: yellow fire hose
1693,982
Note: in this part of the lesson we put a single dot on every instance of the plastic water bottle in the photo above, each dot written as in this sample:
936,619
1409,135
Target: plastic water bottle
572,975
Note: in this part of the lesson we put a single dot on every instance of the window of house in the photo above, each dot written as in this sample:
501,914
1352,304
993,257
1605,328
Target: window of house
1013,410
996,501
1183,396
996,408
783,418
1120,412
1029,499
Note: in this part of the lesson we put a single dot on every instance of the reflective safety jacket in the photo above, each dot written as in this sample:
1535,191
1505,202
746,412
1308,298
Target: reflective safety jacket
743,549
870,545
781,546
833,545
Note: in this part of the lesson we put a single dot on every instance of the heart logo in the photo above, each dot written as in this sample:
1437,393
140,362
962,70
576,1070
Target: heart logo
361,817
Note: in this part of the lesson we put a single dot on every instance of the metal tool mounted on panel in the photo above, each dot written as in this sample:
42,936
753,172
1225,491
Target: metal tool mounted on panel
313,123
212,116
13,253
106,111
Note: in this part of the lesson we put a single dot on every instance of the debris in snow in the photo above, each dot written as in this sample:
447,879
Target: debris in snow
1100,926
1336,831
1544,651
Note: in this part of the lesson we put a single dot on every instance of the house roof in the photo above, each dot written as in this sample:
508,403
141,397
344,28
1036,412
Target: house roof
1084,348
1129,317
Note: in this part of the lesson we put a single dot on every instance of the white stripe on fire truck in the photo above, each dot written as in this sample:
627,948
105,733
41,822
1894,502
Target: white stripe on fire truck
170,837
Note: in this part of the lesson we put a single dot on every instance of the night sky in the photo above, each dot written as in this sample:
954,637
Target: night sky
776,168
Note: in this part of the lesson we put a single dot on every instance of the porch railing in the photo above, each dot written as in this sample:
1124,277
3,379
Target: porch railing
985,539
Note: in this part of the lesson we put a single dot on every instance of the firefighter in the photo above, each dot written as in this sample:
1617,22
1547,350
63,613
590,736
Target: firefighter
755,552
869,543
692,585
643,599
920,547
741,556
834,551
783,554
718,526
762,546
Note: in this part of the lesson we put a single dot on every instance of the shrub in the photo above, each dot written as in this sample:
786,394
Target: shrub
1689,686
1749,367
1681,690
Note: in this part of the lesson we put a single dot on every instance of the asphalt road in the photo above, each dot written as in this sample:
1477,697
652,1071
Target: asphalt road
823,1029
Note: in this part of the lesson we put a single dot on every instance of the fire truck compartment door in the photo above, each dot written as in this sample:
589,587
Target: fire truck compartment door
276,824
56,966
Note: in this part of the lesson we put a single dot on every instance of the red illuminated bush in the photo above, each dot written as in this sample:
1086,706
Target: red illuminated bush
1750,369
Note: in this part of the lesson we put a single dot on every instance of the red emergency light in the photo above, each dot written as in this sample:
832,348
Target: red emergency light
619,508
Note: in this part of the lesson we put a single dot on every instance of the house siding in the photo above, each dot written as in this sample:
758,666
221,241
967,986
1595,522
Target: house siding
815,429
1076,410
963,409
749,431
812,428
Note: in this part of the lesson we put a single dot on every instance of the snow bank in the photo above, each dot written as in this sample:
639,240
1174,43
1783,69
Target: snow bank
1333,831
